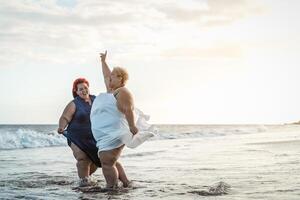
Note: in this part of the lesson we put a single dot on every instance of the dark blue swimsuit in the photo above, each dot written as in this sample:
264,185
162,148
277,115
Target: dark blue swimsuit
79,130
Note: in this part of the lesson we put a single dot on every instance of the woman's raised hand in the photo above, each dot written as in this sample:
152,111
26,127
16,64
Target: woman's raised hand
103,56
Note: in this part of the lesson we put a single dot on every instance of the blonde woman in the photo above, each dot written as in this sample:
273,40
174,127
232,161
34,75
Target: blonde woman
113,120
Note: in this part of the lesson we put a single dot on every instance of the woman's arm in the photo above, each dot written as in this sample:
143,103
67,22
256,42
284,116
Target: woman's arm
126,106
105,70
66,117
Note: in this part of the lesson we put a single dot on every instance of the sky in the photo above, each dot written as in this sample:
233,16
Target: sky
189,61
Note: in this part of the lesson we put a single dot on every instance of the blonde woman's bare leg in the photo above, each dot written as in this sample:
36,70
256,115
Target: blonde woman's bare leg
108,160
122,175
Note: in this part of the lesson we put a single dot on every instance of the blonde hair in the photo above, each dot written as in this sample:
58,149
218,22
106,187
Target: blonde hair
121,72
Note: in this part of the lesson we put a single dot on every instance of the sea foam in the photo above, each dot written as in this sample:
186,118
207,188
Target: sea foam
26,138
36,136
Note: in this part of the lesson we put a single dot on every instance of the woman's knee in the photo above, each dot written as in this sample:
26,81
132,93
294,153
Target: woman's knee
83,162
107,159
79,155
108,162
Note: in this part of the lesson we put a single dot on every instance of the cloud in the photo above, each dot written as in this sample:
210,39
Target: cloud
56,16
211,12
221,51
63,31
109,13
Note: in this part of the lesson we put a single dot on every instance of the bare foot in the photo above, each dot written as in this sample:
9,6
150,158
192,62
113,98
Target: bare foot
129,184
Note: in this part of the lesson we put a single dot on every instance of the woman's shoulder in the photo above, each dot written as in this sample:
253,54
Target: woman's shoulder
122,89
71,105
124,94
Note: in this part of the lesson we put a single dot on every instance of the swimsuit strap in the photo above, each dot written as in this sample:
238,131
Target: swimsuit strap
116,92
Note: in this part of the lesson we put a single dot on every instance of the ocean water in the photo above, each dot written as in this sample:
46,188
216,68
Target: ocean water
181,162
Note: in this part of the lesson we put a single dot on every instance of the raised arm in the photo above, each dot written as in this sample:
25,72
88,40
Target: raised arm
105,70
66,117
126,106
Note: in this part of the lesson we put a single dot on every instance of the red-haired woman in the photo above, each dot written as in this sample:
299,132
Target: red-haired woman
76,117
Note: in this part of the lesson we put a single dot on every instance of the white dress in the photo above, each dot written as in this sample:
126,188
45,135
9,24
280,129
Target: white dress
110,128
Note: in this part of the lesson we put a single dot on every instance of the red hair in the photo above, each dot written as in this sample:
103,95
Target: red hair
75,83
